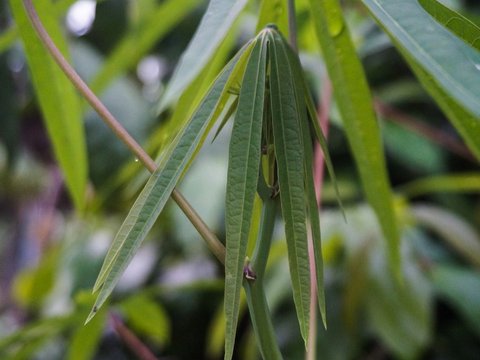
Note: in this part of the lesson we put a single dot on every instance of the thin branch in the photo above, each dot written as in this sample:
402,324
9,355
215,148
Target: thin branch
210,238
131,340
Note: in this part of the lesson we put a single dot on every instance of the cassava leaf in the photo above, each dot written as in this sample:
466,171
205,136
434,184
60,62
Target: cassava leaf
288,144
242,177
452,64
312,208
214,26
457,23
57,98
355,105
153,197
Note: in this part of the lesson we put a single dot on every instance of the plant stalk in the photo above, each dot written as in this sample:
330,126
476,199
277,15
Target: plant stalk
256,300
210,238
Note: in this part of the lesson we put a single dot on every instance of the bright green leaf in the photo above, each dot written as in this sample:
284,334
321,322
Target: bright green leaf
355,105
458,183
57,98
214,26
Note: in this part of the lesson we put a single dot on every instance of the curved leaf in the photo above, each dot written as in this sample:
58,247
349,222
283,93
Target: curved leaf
454,65
58,100
153,197
243,164
461,183
289,150
355,105
213,28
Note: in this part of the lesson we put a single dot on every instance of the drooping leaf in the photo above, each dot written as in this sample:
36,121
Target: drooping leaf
450,72
295,72
214,26
355,105
457,23
153,197
288,144
142,38
57,98
242,177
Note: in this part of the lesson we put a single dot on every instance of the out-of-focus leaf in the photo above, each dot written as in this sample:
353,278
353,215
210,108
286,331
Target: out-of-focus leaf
457,183
154,196
7,38
450,72
289,150
399,313
57,98
355,105
213,28
150,30
456,231
33,285
84,342
460,287
273,12
457,23
147,317
242,177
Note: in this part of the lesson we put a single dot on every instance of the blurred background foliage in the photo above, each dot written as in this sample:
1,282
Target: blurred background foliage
170,298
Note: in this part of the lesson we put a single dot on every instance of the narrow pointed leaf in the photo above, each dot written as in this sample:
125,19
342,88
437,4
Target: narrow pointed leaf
355,105
57,98
454,65
243,165
312,208
214,26
288,144
153,197
142,38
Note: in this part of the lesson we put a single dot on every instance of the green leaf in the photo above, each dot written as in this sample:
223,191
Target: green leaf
153,197
288,144
86,338
457,23
147,316
142,38
273,12
355,105
452,228
58,100
242,177
214,26
461,288
458,183
467,124
301,97
454,66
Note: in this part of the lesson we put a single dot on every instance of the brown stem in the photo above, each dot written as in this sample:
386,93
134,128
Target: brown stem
131,340
210,238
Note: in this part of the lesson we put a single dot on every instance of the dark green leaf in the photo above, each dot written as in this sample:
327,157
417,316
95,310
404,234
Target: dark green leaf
289,152
243,165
